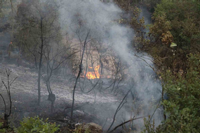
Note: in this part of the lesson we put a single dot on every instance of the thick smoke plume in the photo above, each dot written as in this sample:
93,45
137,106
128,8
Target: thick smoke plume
100,19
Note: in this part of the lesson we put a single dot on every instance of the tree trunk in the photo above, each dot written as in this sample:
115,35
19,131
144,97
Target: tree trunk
164,115
52,106
40,62
80,70
35,62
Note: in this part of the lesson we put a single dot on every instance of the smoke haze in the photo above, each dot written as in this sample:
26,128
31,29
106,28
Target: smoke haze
100,19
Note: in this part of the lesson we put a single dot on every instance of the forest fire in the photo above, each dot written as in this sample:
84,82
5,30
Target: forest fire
95,74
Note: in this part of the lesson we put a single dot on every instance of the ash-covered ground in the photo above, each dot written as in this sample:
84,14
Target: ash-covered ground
96,106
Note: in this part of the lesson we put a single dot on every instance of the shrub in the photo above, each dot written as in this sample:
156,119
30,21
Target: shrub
183,106
36,125
81,129
2,130
175,22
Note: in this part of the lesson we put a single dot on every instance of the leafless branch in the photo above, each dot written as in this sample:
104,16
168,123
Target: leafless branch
126,122
117,110
80,70
4,103
7,87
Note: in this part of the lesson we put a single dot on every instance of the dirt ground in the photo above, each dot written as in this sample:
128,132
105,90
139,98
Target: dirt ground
90,107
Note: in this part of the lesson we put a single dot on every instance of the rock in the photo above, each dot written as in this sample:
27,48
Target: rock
92,128
82,128
79,113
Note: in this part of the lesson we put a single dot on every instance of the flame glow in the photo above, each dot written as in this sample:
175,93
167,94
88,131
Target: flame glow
95,74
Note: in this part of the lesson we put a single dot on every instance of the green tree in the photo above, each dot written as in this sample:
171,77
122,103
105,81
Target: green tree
177,22
182,107
184,103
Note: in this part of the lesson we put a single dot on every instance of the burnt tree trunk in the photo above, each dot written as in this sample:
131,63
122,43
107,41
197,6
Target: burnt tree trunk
80,70
40,62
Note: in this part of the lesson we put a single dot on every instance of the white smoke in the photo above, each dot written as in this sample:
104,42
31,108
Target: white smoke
99,18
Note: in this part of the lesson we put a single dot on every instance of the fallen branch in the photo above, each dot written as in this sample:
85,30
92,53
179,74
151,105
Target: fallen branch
126,122
117,110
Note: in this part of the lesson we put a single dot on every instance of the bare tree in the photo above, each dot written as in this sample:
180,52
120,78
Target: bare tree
7,86
55,57
39,27
79,72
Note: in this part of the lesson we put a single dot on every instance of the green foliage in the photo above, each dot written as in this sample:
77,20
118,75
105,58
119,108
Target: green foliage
2,130
1,124
150,127
5,130
36,125
175,22
184,20
183,107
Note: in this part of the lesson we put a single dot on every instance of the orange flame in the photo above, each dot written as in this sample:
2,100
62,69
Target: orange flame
95,74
